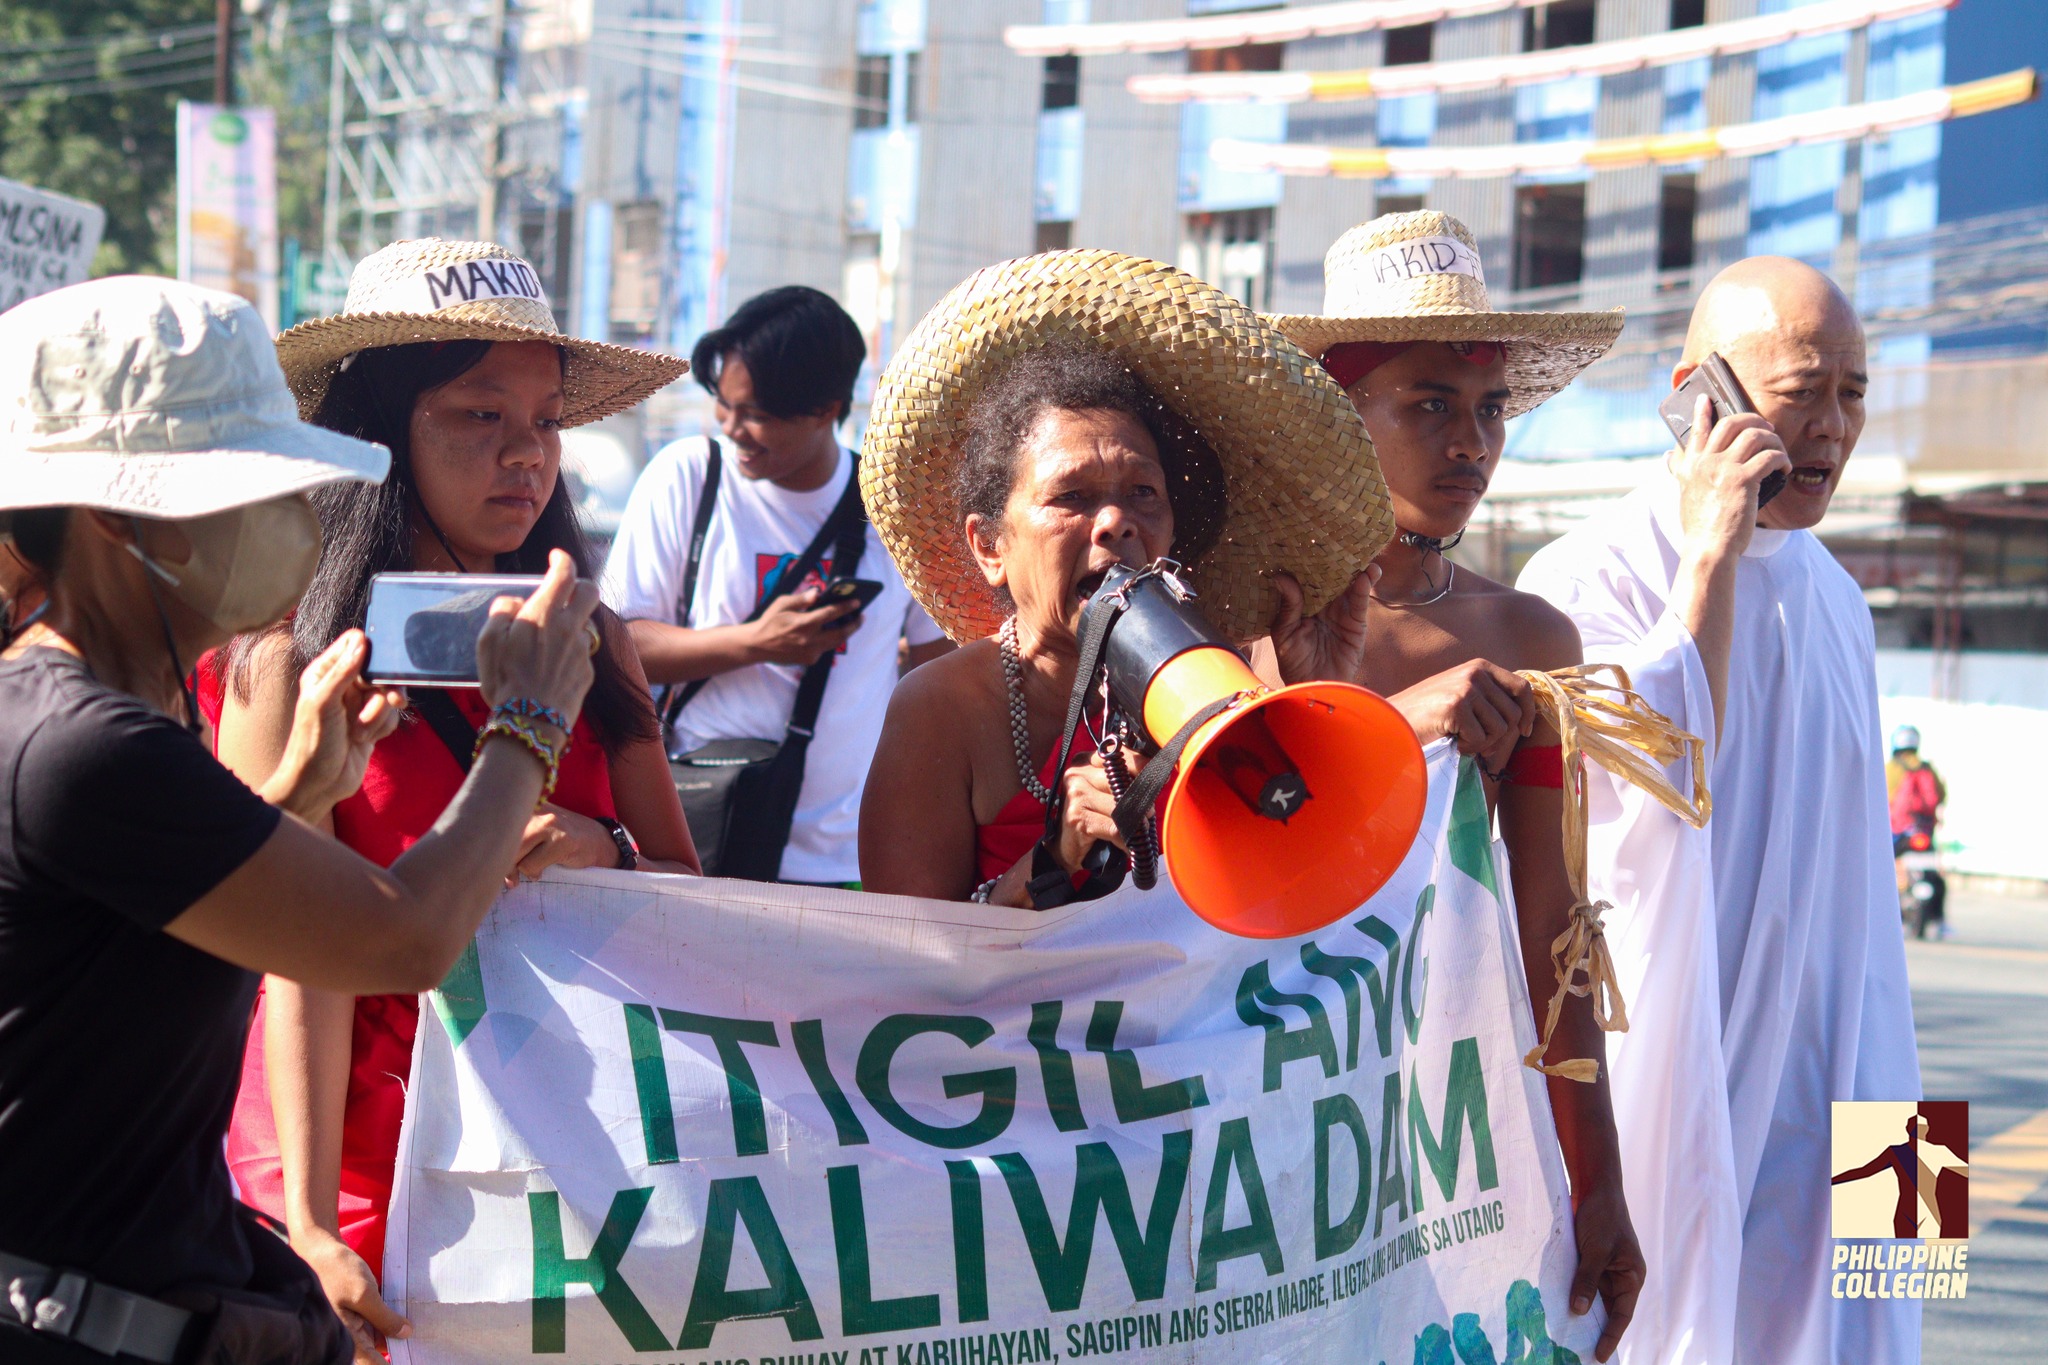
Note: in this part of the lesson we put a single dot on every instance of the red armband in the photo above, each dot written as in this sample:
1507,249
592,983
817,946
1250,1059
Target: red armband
1535,765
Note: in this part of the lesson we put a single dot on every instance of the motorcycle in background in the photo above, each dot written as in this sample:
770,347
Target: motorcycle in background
1923,892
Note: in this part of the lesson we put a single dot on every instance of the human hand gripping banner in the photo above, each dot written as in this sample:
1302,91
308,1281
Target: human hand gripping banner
679,1120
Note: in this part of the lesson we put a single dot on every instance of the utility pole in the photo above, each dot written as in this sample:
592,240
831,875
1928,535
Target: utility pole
491,202
224,52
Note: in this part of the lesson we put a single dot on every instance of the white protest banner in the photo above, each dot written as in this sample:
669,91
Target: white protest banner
227,201
46,241
673,1120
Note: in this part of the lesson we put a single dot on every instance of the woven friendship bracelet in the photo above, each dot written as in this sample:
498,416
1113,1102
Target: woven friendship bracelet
524,732
533,710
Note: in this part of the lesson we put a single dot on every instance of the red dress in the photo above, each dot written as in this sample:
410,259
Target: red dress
1021,822
411,778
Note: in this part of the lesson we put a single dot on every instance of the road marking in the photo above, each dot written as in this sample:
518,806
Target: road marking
2006,1171
1934,951
2024,1215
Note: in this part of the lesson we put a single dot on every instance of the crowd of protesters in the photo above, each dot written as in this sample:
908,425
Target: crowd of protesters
229,864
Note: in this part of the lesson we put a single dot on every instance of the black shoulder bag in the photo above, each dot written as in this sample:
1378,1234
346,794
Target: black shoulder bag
740,795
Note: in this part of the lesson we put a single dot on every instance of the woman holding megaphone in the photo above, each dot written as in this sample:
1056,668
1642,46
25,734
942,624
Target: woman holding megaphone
1435,374
1114,412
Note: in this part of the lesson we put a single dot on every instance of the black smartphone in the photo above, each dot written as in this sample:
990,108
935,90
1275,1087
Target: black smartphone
423,626
861,591
1718,382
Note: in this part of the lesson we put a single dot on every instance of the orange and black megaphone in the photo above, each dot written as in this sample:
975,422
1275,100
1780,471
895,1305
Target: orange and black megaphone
1285,808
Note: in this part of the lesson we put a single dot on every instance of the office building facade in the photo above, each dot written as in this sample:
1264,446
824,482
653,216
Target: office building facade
883,150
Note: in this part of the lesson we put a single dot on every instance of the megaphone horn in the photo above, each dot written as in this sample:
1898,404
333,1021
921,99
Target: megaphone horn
1285,808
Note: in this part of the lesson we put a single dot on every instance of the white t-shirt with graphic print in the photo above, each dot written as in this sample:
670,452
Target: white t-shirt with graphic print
757,529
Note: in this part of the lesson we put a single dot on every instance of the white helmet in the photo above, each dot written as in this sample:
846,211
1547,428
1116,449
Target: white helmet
1905,738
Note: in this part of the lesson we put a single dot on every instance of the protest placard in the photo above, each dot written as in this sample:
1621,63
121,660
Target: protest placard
46,241
678,1120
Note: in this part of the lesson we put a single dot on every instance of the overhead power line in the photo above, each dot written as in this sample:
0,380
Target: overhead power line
145,37
148,60
671,45
202,71
685,65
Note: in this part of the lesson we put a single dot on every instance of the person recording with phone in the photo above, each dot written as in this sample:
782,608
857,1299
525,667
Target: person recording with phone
154,480
760,597
471,405
1761,957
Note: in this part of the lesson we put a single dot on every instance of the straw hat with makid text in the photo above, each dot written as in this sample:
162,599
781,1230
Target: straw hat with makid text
1418,277
434,290
1288,479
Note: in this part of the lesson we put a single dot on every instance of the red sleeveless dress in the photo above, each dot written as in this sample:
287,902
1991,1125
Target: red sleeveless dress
1021,823
410,780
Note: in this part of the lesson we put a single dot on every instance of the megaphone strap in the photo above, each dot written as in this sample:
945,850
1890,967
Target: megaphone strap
1609,723
1095,623
1134,808
1107,865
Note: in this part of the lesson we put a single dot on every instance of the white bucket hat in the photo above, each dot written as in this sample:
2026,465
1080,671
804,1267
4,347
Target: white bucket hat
1417,277
428,289
159,398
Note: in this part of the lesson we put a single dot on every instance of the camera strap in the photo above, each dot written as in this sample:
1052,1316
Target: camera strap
446,720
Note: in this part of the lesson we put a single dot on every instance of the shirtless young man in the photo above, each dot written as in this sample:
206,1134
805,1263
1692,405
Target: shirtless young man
1435,374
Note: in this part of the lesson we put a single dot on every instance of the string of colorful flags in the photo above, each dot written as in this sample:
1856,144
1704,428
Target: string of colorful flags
1877,118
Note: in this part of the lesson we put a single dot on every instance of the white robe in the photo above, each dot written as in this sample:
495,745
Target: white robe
1761,959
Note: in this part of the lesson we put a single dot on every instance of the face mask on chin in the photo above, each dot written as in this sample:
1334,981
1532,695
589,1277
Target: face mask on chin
249,565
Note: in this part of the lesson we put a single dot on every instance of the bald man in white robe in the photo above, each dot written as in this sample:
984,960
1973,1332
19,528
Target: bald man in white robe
1761,958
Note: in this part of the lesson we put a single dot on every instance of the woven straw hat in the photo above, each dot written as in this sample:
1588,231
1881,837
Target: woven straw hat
1418,277
1301,486
151,396
434,290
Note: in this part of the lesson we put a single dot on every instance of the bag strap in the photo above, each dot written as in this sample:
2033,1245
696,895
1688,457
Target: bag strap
849,544
446,720
846,514
66,1305
707,503
1135,807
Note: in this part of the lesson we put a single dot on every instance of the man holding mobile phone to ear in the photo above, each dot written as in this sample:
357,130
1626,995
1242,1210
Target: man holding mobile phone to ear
757,592
1761,957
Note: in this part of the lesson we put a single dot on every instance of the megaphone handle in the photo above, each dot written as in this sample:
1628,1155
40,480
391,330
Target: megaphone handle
1051,885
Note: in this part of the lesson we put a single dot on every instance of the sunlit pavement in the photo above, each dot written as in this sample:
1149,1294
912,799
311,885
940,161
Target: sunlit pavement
1980,1007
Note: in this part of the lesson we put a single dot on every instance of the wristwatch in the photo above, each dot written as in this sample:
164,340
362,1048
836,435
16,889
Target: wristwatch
629,856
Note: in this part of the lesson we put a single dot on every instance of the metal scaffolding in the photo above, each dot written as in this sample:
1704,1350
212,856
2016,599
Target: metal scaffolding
445,119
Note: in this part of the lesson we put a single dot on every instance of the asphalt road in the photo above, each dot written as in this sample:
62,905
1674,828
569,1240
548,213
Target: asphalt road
1980,1007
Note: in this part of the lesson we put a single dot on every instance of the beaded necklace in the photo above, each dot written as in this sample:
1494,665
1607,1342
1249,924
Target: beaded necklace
1020,727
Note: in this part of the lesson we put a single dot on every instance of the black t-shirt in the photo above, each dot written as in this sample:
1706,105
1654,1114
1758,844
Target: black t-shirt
120,1047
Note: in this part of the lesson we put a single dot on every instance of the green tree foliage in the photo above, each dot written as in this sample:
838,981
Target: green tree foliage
284,60
89,91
